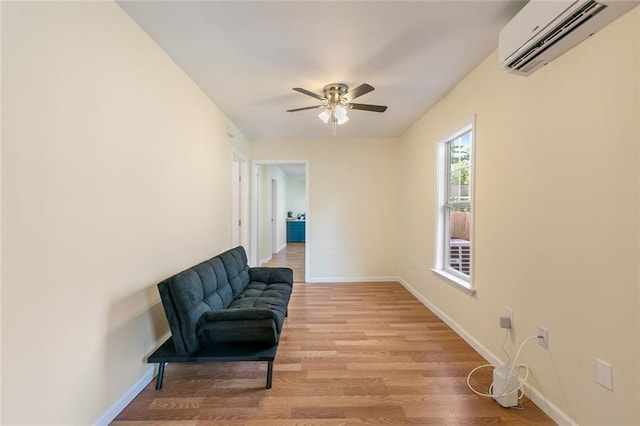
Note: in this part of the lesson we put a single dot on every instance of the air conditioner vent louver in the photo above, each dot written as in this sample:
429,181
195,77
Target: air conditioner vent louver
544,30
460,256
561,30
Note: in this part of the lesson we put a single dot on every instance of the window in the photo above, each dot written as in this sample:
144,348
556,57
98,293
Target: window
454,247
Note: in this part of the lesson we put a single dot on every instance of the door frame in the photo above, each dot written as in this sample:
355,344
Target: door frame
239,212
274,216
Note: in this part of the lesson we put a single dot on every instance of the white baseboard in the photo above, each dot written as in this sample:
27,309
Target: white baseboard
282,247
476,345
351,279
550,409
267,260
126,399
532,393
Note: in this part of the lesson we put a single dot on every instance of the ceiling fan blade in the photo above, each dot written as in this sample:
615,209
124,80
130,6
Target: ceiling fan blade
367,107
363,89
304,108
309,93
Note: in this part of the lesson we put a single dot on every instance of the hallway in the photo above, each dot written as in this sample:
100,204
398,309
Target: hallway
293,257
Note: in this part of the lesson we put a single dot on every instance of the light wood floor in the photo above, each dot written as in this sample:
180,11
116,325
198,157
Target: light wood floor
350,354
293,257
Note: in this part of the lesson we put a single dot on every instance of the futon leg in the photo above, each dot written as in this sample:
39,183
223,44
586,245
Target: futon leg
160,375
269,373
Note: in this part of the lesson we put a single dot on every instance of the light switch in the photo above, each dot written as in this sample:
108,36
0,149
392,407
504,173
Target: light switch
604,374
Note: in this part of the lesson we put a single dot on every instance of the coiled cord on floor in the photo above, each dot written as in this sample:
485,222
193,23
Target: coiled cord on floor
514,365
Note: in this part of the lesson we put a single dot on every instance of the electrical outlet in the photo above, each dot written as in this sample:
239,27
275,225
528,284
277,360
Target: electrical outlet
543,337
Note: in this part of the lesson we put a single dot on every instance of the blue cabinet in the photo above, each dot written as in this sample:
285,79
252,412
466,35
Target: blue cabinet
295,231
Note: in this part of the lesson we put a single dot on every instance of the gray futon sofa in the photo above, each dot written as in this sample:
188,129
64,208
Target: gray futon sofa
223,310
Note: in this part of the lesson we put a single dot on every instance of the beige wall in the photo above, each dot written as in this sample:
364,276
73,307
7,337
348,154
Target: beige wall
267,173
296,195
353,212
281,206
115,174
556,217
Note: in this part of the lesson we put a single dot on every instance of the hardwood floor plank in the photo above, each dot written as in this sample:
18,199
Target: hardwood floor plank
292,256
350,354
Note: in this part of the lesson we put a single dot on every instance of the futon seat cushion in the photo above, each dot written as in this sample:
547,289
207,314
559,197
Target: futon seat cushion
258,302
276,305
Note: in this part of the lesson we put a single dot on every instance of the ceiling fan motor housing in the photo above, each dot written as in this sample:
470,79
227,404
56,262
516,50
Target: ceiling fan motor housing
335,92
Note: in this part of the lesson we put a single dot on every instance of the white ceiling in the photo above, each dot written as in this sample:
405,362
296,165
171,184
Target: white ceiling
247,56
293,169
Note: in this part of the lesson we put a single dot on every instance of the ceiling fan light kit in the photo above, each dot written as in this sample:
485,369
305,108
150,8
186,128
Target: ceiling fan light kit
336,98
325,115
340,114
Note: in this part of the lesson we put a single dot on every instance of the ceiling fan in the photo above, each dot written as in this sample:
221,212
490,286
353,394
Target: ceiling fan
336,99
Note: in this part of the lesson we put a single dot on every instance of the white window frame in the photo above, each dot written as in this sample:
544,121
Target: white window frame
442,239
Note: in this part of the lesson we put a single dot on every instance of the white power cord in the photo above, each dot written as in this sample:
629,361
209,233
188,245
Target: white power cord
506,336
514,365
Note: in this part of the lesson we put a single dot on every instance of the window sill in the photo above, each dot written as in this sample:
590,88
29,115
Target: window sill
455,282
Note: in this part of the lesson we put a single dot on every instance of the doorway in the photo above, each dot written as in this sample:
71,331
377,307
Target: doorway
280,195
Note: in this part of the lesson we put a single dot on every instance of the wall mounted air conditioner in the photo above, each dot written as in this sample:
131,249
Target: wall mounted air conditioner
545,29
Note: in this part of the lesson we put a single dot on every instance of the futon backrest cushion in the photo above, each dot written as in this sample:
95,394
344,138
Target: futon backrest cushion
188,295
235,263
